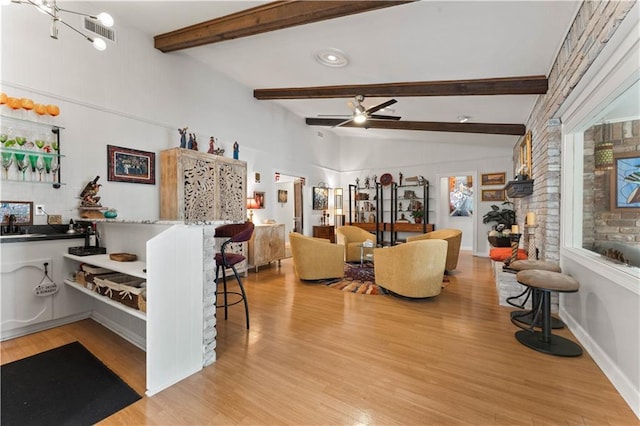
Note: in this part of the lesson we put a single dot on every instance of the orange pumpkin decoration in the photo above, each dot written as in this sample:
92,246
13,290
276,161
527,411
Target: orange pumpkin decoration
3,98
40,109
53,110
13,103
26,103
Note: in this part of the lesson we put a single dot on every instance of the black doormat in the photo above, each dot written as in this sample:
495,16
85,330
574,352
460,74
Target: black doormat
63,386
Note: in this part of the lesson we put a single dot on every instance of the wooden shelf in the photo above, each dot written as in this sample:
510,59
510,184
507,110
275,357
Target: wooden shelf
519,189
407,227
136,269
134,312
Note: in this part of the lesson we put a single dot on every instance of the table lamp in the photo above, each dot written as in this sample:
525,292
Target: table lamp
252,204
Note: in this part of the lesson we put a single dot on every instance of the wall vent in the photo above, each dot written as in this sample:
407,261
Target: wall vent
99,29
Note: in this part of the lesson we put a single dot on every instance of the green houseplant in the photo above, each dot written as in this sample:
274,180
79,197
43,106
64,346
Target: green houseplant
504,218
417,215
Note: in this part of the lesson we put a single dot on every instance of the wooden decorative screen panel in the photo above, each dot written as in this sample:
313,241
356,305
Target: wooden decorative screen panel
197,186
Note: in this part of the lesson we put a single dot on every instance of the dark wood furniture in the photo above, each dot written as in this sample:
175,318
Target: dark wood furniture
325,231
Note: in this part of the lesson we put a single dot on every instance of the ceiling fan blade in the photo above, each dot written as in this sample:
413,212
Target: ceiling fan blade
384,117
380,106
334,115
342,123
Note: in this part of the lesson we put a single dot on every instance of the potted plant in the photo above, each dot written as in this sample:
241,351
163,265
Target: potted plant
503,218
417,215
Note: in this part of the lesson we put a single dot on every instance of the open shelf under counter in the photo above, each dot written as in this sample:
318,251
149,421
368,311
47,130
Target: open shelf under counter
136,268
134,312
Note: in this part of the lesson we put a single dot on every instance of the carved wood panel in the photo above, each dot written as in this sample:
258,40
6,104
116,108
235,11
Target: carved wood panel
199,186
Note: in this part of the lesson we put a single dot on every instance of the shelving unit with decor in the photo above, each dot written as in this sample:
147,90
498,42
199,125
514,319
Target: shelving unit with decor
30,146
404,201
365,203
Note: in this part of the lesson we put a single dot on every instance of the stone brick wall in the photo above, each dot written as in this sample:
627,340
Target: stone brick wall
603,227
592,28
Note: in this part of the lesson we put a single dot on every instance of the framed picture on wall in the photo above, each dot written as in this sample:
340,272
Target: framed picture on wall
282,195
489,179
625,182
131,165
320,198
493,195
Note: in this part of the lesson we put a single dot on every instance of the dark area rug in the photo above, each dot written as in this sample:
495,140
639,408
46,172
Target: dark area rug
63,386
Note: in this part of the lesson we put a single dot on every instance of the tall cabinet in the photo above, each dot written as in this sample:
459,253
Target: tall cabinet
197,186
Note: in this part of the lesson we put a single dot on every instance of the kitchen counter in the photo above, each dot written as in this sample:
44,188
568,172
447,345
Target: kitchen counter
40,233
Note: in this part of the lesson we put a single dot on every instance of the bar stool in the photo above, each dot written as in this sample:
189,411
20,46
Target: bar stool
544,341
526,317
238,233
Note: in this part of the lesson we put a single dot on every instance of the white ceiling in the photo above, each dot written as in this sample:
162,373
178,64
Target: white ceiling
421,41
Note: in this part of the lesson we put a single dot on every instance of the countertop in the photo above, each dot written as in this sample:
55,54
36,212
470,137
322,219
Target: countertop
40,233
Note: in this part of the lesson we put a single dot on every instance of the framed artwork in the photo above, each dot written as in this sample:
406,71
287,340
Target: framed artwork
460,195
320,198
259,197
625,182
131,165
21,210
282,195
493,195
526,167
494,178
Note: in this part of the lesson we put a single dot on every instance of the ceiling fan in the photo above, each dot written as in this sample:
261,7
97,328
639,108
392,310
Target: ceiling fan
362,114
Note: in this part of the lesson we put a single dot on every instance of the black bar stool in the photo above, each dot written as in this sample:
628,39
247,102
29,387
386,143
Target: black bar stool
238,233
544,341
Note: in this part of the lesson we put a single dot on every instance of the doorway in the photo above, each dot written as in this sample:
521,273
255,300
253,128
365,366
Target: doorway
290,203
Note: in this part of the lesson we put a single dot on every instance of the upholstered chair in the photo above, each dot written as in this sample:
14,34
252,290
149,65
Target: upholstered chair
316,258
352,237
413,269
452,236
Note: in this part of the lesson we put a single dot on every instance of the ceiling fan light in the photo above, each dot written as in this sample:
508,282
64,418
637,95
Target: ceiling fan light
463,118
105,19
359,118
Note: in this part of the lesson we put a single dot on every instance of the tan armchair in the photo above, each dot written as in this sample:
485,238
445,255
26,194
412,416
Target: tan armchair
413,269
316,258
352,237
452,236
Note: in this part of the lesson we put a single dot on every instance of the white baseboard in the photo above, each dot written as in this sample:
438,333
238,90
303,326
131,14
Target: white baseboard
622,384
34,328
123,332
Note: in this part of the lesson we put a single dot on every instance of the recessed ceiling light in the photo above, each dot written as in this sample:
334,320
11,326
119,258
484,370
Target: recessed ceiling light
463,118
332,58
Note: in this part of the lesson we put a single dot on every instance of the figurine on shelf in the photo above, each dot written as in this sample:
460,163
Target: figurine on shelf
190,143
194,143
88,194
367,182
400,176
357,182
236,150
211,145
183,137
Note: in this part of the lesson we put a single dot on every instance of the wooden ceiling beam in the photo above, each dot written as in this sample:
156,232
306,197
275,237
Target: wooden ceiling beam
528,85
428,126
268,17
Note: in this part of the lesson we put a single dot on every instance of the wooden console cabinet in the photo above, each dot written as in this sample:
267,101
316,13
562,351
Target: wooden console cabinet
266,245
197,186
325,231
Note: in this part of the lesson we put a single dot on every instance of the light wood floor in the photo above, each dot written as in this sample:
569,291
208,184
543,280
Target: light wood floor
319,356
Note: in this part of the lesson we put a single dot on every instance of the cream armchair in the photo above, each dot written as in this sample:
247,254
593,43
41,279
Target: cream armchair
413,269
316,258
452,236
352,238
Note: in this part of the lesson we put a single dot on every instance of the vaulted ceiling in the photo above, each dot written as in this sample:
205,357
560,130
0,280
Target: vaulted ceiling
440,59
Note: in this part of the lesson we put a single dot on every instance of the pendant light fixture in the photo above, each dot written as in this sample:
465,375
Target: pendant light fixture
51,8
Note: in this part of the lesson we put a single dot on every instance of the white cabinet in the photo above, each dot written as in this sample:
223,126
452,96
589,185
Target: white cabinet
22,269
